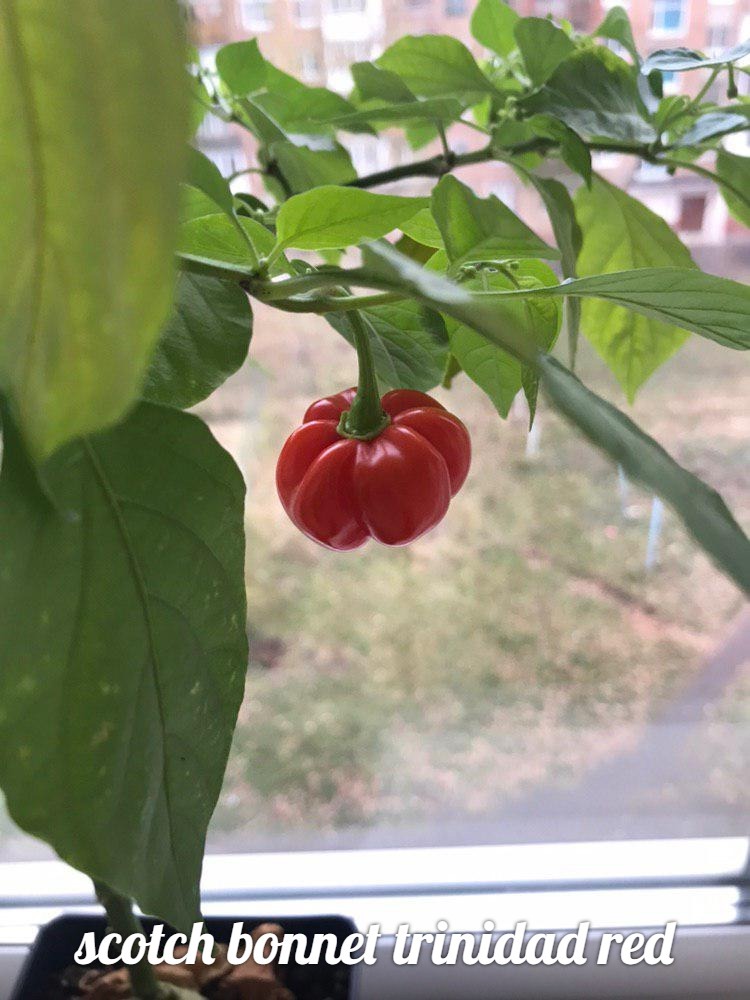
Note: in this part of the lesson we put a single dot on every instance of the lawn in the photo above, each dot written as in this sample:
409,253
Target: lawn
409,695
452,691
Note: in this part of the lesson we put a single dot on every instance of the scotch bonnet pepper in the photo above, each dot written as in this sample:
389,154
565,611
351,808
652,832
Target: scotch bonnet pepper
391,483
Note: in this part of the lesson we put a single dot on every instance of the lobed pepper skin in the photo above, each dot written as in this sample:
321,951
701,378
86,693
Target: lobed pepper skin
341,491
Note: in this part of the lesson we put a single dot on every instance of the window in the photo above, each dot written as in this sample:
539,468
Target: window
692,211
717,36
309,65
256,15
455,8
347,6
306,13
206,10
669,17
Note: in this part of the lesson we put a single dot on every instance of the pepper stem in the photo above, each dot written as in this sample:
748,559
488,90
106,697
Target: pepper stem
365,419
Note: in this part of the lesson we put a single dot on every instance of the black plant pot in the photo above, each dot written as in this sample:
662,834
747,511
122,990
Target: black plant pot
57,943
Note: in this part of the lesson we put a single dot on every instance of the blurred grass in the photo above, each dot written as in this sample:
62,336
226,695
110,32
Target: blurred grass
517,645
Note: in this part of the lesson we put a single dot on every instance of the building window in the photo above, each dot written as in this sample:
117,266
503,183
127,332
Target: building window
348,6
692,211
455,8
306,13
669,17
717,36
256,15
206,10
309,66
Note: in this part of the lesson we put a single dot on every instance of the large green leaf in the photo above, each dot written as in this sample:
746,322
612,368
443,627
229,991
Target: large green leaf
242,67
543,46
710,126
620,234
735,171
716,308
94,117
481,228
492,24
407,353
204,175
442,109
423,229
285,102
616,26
330,217
124,650
594,92
205,341
305,168
376,84
679,60
435,66
216,238
561,212
702,510
495,371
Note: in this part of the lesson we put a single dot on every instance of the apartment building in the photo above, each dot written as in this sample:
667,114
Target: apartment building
317,40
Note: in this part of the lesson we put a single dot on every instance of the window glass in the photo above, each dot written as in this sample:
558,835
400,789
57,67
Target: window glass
557,660
256,15
669,16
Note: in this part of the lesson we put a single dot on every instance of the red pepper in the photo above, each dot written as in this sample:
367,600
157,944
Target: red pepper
392,484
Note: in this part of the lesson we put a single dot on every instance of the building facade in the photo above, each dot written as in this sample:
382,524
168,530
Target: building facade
317,40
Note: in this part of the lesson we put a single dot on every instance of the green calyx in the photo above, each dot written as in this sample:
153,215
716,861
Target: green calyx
365,418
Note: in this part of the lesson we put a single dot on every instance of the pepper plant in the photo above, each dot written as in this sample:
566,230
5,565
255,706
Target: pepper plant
122,601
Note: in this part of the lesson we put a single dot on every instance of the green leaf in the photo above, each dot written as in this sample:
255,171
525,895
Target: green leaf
407,354
616,25
715,308
194,204
423,229
495,371
215,238
543,46
435,66
619,234
594,92
481,228
376,84
735,171
94,118
205,341
204,175
711,126
492,24
442,109
259,122
242,67
568,236
272,100
125,651
679,60
702,510
573,150
305,168
332,217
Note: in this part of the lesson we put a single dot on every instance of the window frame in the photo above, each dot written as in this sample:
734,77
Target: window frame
702,883
661,31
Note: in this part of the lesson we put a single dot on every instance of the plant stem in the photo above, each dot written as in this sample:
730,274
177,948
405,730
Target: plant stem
365,418
707,85
322,304
123,921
